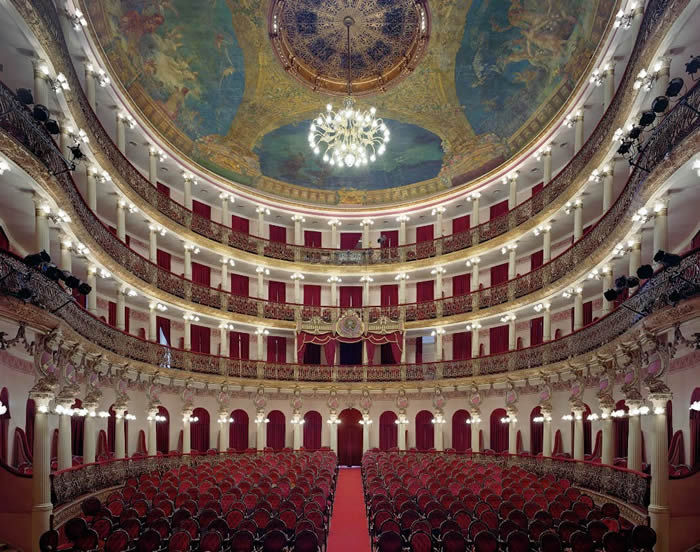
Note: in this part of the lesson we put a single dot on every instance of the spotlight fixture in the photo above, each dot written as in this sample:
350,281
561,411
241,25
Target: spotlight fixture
41,113
647,118
77,154
674,87
35,259
84,289
693,65
24,96
645,272
610,295
667,259
634,132
52,126
660,104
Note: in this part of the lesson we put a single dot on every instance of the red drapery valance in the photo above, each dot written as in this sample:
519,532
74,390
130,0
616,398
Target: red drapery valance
329,340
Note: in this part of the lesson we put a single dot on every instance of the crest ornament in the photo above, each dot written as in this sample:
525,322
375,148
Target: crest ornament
350,325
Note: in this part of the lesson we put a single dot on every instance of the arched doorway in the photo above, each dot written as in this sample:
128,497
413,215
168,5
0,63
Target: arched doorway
536,431
199,430
461,431
621,430
163,431
238,430
388,430
498,430
425,430
312,430
350,438
276,433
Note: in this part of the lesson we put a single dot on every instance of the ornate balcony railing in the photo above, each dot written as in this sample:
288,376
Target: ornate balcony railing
680,122
17,280
44,15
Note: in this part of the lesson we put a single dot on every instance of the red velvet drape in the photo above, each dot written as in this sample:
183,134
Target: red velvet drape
461,431
498,209
21,456
329,352
276,430
499,274
425,291
276,292
460,224
312,295
112,316
419,350
312,238
370,352
111,430
461,284
695,431
536,259
425,233
5,426
4,240
238,430
536,330
276,349
389,295
201,274
621,431
163,431
200,339
240,224
278,234
240,285
313,424
537,188
388,430
425,430
391,238
536,431
77,431
587,313
461,345
29,413
350,296
350,240
239,345
201,209
499,431
498,339
199,430
350,438
163,259
163,329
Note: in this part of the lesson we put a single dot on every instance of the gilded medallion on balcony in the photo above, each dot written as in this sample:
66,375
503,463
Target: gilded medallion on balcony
350,325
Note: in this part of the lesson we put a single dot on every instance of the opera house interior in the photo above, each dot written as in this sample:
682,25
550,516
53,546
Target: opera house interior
350,275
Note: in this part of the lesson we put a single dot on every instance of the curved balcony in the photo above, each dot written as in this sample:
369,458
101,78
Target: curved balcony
661,146
42,15
652,296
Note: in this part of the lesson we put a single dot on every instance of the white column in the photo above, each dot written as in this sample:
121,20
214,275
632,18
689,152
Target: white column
607,284
634,438
439,225
547,323
41,86
261,282
225,279
92,296
607,455
511,334
402,288
89,434
225,216
366,224
401,432
333,281
439,271
121,219
608,180
121,132
41,225
512,182
512,260
402,220
659,503
578,132
119,435
260,431
65,457
437,428
91,178
223,431
64,138
298,233
186,432
474,219
121,309
438,333
66,255
334,223
260,344
297,426
635,258
151,442
297,288
475,274
41,465
152,326
546,165
546,243
188,261
475,430
153,166
366,280
90,87
187,181
660,227
403,348
365,432
224,340
188,332
578,219
334,432
662,77
578,433
546,432
475,339
153,243
578,309
260,210
512,431
608,85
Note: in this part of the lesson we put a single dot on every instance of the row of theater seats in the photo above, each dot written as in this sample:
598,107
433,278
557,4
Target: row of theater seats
245,503
430,502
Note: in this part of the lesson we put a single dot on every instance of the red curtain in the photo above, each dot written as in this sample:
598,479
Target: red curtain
163,431
498,339
537,188
389,295
669,421
499,274
621,431
460,224
201,209
29,414
238,430
536,431
370,352
425,291
351,296
695,431
77,431
461,431
350,438
312,295
329,352
276,430
276,292
425,233
111,430
200,339
278,234
112,316
419,350
79,298
498,209
391,238
240,224
163,259
312,238
163,189
536,330
239,345
5,426
240,285
201,274
388,430
163,327
499,431
350,240
199,430
536,259
276,349
461,345
312,430
461,284
425,430
587,313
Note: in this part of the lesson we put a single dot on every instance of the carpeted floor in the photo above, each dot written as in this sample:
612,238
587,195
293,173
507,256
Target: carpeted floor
349,531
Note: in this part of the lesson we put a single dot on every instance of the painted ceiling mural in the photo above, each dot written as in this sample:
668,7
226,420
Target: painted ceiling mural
205,76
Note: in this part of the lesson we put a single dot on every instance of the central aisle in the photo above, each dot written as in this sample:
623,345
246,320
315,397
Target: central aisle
349,531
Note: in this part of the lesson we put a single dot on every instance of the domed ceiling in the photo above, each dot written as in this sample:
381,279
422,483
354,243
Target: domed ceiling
213,80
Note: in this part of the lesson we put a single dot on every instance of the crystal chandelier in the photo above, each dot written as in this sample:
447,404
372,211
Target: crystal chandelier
348,137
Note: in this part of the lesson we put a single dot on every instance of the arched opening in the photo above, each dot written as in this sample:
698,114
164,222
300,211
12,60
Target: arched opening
695,429
163,431
4,424
276,430
388,430
621,430
461,431
312,430
199,430
425,430
77,430
499,431
350,438
238,430
536,431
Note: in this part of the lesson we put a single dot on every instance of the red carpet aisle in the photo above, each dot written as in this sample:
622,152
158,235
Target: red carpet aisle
349,531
